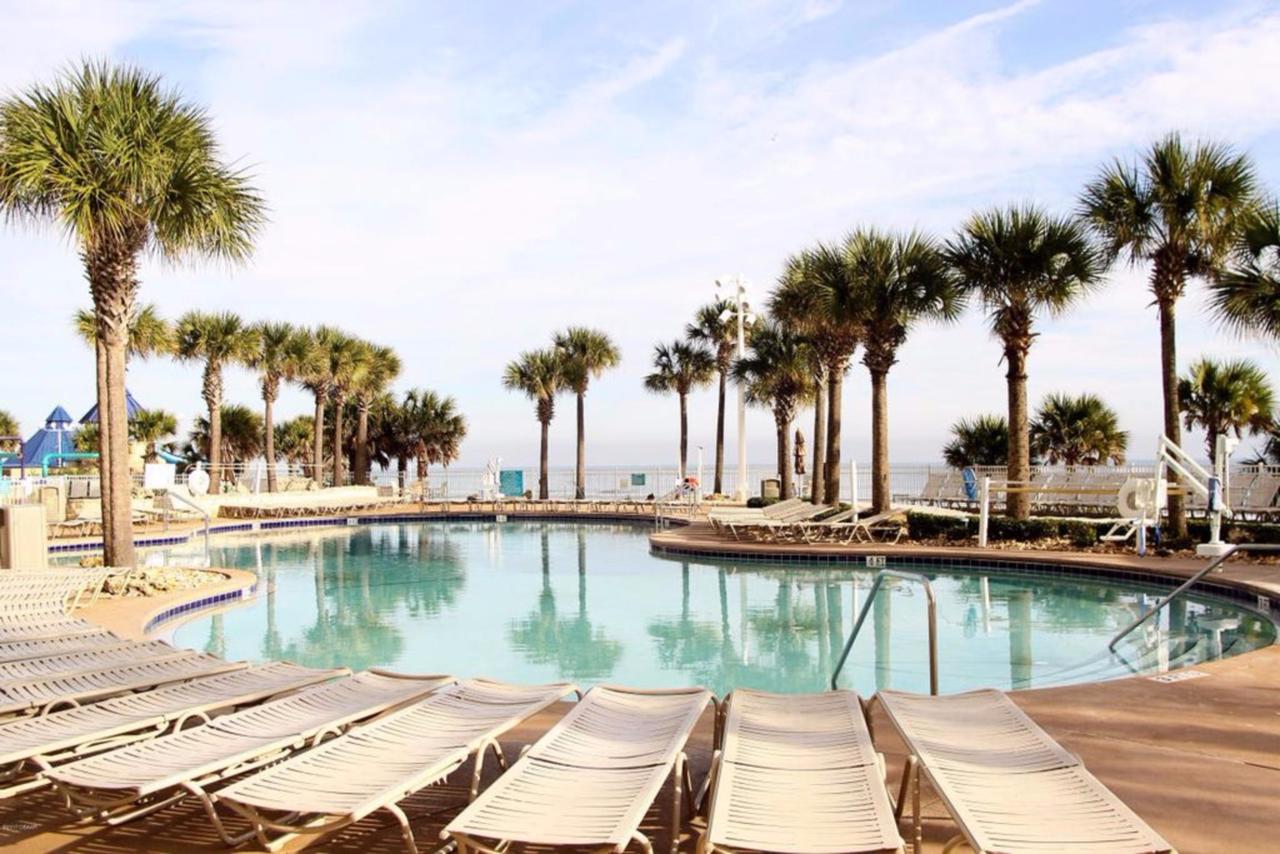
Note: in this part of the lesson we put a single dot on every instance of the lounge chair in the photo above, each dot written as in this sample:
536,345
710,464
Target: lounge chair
140,778
45,694
124,652
19,649
797,773
385,761
32,745
878,528
1008,785
590,780
43,625
762,528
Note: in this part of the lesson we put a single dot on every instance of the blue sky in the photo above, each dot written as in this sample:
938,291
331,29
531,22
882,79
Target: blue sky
458,180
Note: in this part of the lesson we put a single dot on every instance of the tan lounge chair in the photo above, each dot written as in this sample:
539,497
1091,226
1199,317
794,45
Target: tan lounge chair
124,652
798,773
760,528
46,624
383,762
590,780
878,528
1009,786
141,778
33,744
20,649
47,693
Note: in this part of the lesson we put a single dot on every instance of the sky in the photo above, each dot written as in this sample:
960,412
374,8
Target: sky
459,180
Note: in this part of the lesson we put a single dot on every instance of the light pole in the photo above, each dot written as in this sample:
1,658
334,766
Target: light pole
741,310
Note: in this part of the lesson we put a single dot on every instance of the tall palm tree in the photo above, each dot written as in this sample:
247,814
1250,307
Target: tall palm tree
1246,296
1020,262
381,366
587,353
126,167
1180,209
152,426
984,441
714,327
347,359
776,373
540,375
1226,396
896,281
804,299
217,340
681,367
1077,430
310,352
274,356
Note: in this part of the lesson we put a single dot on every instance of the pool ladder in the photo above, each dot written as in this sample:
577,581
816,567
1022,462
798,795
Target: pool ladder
932,605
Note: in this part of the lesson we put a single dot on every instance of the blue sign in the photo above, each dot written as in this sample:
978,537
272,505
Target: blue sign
637,479
511,482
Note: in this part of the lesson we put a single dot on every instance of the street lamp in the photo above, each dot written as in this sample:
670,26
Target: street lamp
742,311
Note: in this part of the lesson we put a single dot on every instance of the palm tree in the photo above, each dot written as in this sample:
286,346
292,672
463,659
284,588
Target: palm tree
681,367
310,353
540,375
1246,296
153,426
433,430
804,299
714,327
8,427
126,167
984,441
372,379
274,357
587,353
1226,396
1079,430
1181,209
1021,261
241,434
776,373
218,340
292,439
348,357
1270,453
897,281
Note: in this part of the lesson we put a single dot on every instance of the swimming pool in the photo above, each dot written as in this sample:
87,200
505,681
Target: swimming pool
541,601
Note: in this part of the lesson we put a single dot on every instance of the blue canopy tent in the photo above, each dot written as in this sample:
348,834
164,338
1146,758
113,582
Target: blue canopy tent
56,437
131,409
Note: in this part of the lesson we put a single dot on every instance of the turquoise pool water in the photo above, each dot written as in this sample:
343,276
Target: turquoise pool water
533,602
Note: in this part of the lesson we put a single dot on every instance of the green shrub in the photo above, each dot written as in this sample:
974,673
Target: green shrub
1022,530
1235,532
1081,534
928,526
757,501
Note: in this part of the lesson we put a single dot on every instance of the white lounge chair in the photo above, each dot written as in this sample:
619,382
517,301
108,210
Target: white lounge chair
20,649
124,652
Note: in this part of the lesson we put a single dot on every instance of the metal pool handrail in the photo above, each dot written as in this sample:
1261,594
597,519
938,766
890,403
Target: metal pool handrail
204,513
866,606
1182,588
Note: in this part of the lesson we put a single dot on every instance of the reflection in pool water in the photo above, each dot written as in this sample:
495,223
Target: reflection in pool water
539,601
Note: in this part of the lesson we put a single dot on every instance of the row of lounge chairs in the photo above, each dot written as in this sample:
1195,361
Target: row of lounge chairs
797,521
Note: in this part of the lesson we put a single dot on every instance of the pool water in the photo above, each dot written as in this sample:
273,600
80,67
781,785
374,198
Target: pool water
543,601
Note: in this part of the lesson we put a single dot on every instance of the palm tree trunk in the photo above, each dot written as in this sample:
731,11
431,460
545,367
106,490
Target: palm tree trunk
339,402
719,479
544,491
362,441
269,436
1019,468
816,475
402,469
212,393
879,441
580,490
104,478
317,440
684,435
117,517
784,455
835,388
1169,383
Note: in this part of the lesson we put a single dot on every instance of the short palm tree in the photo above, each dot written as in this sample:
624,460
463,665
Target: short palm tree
381,366
434,429
804,299
715,327
217,340
896,282
293,439
273,355
241,434
9,427
1246,295
776,373
680,367
1270,452
1020,262
587,353
540,375
347,359
1221,397
125,167
1077,430
153,426
984,441
1181,210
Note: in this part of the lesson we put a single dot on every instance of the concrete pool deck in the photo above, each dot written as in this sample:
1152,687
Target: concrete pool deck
1198,758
